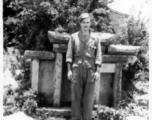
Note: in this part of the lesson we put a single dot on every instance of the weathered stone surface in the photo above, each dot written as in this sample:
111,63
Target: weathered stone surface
57,79
117,58
65,88
63,38
35,74
60,48
117,85
123,50
106,39
39,55
106,89
59,38
64,112
57,114
108,68
46,81
97,91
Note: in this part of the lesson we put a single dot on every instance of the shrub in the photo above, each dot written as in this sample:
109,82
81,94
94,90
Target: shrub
124,110
135,34
27,23
106,113
25,101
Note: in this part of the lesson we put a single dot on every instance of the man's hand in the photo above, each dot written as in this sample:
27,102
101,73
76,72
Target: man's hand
96,76
70,75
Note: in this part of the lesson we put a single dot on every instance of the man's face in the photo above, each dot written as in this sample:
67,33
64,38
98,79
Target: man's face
85,24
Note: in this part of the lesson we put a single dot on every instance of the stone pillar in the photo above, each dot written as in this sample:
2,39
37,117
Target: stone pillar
117,85
42,72
58,79
34,74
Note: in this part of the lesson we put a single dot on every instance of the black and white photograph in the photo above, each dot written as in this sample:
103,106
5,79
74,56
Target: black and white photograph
76,60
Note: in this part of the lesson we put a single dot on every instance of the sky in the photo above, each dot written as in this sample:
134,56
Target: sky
132,7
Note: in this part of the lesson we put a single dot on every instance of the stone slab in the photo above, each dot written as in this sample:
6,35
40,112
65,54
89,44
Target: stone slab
65,88
46,81
34,74
117,85
123,50
39,55
64,112
63,38
57,79
108,68
117,58
106,89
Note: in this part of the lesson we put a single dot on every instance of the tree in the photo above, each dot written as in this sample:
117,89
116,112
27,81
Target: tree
26,22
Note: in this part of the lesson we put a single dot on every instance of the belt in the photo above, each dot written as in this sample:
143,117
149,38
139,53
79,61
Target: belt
81,60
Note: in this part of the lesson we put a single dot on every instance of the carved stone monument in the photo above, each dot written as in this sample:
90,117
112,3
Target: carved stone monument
49,70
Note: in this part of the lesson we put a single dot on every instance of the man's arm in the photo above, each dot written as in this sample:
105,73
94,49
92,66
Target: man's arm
69,58
69,66
98,59
97,68
69,54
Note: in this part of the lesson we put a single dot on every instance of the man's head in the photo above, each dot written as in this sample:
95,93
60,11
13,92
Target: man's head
85,21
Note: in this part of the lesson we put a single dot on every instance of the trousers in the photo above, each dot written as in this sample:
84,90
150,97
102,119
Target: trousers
82,89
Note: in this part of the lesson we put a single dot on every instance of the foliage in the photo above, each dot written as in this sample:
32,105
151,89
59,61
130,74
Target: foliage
25,101
27,22
124,110
135,34
25,26
133,109
106,113
21,99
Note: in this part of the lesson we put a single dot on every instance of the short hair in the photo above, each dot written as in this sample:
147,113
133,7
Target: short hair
83,16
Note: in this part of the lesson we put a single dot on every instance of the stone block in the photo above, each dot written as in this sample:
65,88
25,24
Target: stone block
123,50
46,81
39,55
106,89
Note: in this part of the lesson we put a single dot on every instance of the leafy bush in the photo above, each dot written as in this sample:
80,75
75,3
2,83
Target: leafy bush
124,110
135,34
21,99
25,101
27,23
25,26
106,113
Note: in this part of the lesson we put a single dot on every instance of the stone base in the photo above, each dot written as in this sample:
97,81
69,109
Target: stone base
54,112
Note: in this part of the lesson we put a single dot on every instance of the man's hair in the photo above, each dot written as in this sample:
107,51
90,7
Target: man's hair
83,16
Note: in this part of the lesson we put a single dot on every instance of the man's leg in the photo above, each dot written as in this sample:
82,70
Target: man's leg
76,94
88,98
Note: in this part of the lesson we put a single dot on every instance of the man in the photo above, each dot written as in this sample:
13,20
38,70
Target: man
84,61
